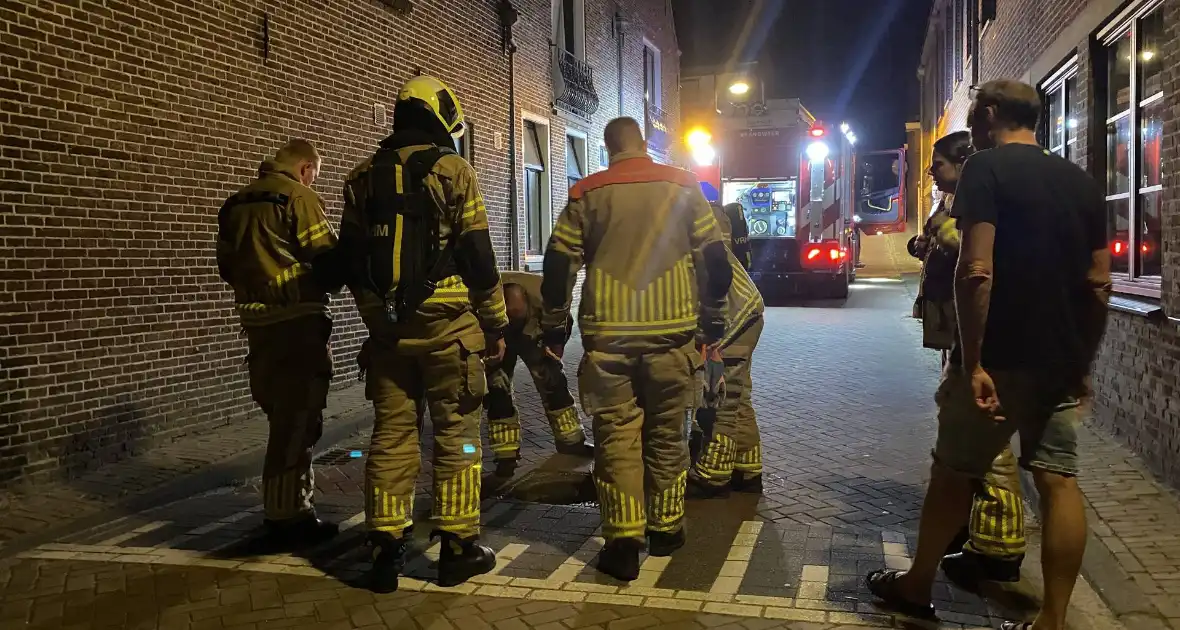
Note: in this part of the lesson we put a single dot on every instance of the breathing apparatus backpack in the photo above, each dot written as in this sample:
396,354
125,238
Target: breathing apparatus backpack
404,259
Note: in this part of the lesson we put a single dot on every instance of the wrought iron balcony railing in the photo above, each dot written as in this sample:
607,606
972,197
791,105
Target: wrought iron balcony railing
573,84
657,128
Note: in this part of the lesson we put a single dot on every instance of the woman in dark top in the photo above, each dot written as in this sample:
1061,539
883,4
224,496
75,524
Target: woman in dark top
993,545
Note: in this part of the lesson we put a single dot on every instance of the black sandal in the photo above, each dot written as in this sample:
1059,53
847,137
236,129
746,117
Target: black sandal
882,584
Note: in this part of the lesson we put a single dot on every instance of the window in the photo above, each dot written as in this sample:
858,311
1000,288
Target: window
465,145
1134,133
569,26
575,158
1059,123
653,87
987,12
539,220
957,14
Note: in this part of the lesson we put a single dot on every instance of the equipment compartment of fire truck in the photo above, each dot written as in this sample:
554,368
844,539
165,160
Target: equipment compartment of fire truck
807,196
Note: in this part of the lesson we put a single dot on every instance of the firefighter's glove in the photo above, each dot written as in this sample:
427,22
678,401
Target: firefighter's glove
714,377
554,340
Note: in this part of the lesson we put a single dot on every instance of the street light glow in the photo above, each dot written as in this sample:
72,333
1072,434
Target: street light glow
739,87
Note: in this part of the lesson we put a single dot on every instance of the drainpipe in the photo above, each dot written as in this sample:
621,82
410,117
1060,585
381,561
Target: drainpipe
620,24
508,18
977,46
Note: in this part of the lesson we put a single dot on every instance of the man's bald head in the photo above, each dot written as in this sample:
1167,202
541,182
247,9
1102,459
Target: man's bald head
516,302
299,158
623,135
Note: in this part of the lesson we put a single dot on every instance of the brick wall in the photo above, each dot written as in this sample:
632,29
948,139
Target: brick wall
1137,377
125,124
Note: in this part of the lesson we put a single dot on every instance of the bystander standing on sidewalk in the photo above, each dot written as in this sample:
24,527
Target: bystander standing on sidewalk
992,545
1032,283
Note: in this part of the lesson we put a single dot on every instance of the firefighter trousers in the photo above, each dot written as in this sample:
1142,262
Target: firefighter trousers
734,444
290,369
638,405
452,382
549,378
996,527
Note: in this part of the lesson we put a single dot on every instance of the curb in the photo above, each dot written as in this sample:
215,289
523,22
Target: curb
1102,571
245,465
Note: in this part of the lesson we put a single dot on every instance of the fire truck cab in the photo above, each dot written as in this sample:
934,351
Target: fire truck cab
793,176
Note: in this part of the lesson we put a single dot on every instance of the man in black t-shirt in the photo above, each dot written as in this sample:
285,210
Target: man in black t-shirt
1032,283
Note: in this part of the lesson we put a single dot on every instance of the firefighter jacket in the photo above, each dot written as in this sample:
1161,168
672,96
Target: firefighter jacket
642,230
744,302
474,288
531,283
267,236
739,234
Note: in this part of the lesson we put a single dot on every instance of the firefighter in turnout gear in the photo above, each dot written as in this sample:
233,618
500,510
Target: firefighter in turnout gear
269,235
732,453
739,239
416,249
640,311
522,294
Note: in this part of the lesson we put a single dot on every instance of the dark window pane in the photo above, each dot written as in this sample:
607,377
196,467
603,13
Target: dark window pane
1117,222
1071,114
1151,135
532,194
1056,122
1150,56
1118,140
1118,76
1150,234
568,22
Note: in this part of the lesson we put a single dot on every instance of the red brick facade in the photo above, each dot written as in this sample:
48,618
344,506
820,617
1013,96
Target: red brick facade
126,123
1137,378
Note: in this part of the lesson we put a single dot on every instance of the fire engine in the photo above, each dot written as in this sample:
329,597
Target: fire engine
807,196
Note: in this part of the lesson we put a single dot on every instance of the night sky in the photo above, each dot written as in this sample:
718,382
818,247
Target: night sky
848,60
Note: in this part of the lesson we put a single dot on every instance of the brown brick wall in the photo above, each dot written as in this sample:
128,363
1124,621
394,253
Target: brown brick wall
126,123
1137,378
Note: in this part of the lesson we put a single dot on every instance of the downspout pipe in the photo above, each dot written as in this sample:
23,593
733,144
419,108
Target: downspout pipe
508,17
620,24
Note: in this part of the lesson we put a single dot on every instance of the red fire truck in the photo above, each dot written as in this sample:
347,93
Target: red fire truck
797,181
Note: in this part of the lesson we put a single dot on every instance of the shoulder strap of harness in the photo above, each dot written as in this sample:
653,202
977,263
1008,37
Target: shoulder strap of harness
247,197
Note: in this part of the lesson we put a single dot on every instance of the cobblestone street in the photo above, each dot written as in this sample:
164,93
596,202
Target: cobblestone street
844,397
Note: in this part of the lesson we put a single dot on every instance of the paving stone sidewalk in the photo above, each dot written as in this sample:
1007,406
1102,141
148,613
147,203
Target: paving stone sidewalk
1134,554
30,510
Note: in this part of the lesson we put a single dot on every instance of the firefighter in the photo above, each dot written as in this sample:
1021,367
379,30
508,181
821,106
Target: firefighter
268,235
732,456
522,295
639,314
415,244
739,239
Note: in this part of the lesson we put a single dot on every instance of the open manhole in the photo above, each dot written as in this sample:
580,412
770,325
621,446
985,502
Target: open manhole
553,487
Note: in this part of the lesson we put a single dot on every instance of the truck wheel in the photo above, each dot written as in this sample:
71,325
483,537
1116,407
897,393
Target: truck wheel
840,288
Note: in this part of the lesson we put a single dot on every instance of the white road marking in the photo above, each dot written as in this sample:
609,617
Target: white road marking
143,529
738,560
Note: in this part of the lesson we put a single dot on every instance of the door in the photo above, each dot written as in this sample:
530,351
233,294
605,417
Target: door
880,178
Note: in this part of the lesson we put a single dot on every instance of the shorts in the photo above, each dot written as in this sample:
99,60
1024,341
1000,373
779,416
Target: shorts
1037,406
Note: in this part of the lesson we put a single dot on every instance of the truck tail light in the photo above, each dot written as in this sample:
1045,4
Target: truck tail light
823,255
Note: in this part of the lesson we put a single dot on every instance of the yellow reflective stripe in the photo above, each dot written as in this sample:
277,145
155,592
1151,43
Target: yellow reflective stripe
397,242
564,231
472,208
311,234
639,328
258,314
290,273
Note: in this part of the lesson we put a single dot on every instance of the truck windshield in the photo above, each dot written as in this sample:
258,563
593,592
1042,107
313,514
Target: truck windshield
769,206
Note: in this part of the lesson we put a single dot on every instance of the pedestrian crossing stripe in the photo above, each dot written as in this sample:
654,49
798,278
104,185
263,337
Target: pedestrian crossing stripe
565,583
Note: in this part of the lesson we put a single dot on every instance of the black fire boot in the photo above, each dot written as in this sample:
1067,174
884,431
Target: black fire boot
697,489
577,449
660,544
389,558
304,531
460,559
619,558
748,485
506,466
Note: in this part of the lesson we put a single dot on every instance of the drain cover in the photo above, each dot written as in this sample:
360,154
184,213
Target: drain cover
338,456
554,487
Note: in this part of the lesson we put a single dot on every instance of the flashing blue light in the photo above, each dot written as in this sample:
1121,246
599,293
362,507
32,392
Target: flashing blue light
711,194
356,454
469,449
